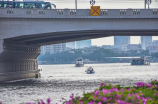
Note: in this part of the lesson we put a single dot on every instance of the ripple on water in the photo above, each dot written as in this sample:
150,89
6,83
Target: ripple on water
61,80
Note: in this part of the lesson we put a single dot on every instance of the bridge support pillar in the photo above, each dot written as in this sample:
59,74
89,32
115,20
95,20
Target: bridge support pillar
18,61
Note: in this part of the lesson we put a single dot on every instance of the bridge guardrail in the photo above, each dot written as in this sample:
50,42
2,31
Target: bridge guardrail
104,12
155,11
108,13
136,12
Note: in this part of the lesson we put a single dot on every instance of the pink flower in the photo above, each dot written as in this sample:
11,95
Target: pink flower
42,102
99,103
96,92
67,102
144,101
104,91
81,102
90,103
94,96
48,101
138,97
100,84
104,99
130,95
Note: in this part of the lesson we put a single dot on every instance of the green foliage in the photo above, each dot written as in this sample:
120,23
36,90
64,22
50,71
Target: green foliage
92,55
144,52
66,56
105,94
155,55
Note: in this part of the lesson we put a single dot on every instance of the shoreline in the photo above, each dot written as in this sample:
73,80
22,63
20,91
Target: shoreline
89,63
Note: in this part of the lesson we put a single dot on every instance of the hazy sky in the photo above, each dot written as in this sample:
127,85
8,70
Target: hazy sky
106,4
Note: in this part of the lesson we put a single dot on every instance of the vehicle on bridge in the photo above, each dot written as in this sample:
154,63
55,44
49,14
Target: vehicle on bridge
140,61
27,4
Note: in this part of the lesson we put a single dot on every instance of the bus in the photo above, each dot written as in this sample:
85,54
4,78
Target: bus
26,4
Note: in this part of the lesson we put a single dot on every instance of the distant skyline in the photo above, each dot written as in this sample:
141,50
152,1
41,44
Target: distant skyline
106,4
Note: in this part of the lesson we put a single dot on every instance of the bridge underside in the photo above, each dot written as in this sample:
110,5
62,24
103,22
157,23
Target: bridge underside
18,59
68,36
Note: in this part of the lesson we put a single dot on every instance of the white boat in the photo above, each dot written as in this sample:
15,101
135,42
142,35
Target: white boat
79,62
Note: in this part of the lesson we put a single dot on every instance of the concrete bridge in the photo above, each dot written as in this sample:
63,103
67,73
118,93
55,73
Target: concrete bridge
23,31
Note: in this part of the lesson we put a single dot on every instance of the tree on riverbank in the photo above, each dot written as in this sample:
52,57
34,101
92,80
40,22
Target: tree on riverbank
155,55
95,55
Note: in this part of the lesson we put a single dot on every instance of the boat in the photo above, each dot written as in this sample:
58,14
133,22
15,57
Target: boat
140,61
90,70
79,62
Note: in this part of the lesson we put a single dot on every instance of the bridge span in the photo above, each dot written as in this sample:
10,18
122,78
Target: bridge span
23,31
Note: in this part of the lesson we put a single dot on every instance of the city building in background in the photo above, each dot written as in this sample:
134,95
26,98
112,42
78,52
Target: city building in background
155,42
51,49
43,50
146,41
152,49
134,46
128,47
71,45
107,46
58,48
83,43
119,40
124,47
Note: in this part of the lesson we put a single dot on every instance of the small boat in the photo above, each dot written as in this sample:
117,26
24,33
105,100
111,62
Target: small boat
79,62
90,70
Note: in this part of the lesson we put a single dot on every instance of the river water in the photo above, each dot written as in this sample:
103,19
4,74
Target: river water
59,81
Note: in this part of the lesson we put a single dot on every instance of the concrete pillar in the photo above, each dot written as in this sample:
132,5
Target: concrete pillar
18,61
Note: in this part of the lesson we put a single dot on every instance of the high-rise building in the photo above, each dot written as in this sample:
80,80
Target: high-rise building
119,40
83,43
45,49
53,48
71,45
57,48
146,41
155,42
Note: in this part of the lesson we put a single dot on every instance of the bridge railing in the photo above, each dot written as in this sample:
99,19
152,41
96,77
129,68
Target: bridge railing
108,13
